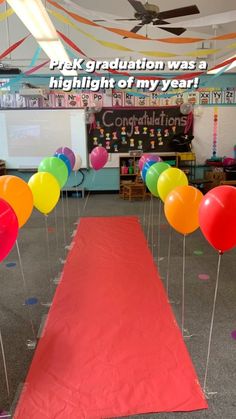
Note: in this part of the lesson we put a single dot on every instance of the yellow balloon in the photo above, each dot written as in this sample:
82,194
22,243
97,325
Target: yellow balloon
169,180
46,191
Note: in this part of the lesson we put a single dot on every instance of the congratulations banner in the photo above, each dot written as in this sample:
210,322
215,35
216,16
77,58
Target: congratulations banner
123,130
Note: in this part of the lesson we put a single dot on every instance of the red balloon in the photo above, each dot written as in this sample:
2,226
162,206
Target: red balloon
8,229
98,157
217,217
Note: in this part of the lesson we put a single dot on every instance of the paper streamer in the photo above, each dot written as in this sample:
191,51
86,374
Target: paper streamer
118,47
6,14
28,72
217,19
161,77
13,47
128,34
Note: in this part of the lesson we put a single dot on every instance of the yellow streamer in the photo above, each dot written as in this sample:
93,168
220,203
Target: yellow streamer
157,53
115,46
201,52
6,14
232,45
131,35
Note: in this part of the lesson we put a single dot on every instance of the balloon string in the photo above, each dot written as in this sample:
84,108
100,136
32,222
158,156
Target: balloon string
168,262
149,220
25,289
48,250
4,365
159,230
87,197
144,215
152,224
212,321
77,194
67,212
63,218
183,285
56,227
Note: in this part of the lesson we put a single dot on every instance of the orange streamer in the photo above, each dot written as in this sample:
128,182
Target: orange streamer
128,34
226,36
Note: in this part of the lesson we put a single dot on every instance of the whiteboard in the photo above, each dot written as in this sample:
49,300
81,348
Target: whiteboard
203,133
28,136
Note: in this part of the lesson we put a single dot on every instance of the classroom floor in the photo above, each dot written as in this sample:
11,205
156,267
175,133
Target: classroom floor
201,265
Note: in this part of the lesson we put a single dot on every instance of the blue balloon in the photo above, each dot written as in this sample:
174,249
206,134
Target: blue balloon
64,158
146,166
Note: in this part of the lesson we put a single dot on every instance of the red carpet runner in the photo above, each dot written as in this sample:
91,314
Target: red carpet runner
111,346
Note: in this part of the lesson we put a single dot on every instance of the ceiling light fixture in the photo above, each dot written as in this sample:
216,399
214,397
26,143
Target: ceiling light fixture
34,16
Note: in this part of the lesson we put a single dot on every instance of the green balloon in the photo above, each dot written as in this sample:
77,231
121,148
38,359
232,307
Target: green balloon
153,174
56,167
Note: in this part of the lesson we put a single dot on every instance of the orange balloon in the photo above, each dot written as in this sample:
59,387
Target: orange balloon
182,207
17,193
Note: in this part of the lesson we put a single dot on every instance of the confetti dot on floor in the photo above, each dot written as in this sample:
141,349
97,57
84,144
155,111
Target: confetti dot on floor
31,301
198,252
203,277
51,229
10,264
233,334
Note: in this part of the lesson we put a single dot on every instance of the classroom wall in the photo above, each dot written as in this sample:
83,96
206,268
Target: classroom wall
108,179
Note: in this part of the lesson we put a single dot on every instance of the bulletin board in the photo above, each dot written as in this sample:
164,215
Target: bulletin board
146,129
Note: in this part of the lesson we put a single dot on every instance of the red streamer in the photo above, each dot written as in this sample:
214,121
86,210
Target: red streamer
34,69
13,47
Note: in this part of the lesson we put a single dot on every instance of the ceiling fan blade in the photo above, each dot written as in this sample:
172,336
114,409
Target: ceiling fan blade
175,31
159,22
120,20
135,29
181,11
126,20
137,5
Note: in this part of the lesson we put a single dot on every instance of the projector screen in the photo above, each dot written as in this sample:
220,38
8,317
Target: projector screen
27,136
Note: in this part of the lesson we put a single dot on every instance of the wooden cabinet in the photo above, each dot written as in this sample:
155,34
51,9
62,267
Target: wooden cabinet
129,170
187,163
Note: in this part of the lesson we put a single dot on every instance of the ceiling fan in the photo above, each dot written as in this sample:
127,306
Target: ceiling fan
150,13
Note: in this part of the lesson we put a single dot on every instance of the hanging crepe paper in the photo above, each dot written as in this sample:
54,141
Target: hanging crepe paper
196,22
27,73
128,34
124,74
34,69
13,47
6,14
119,47
224,37
76,48
181,40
